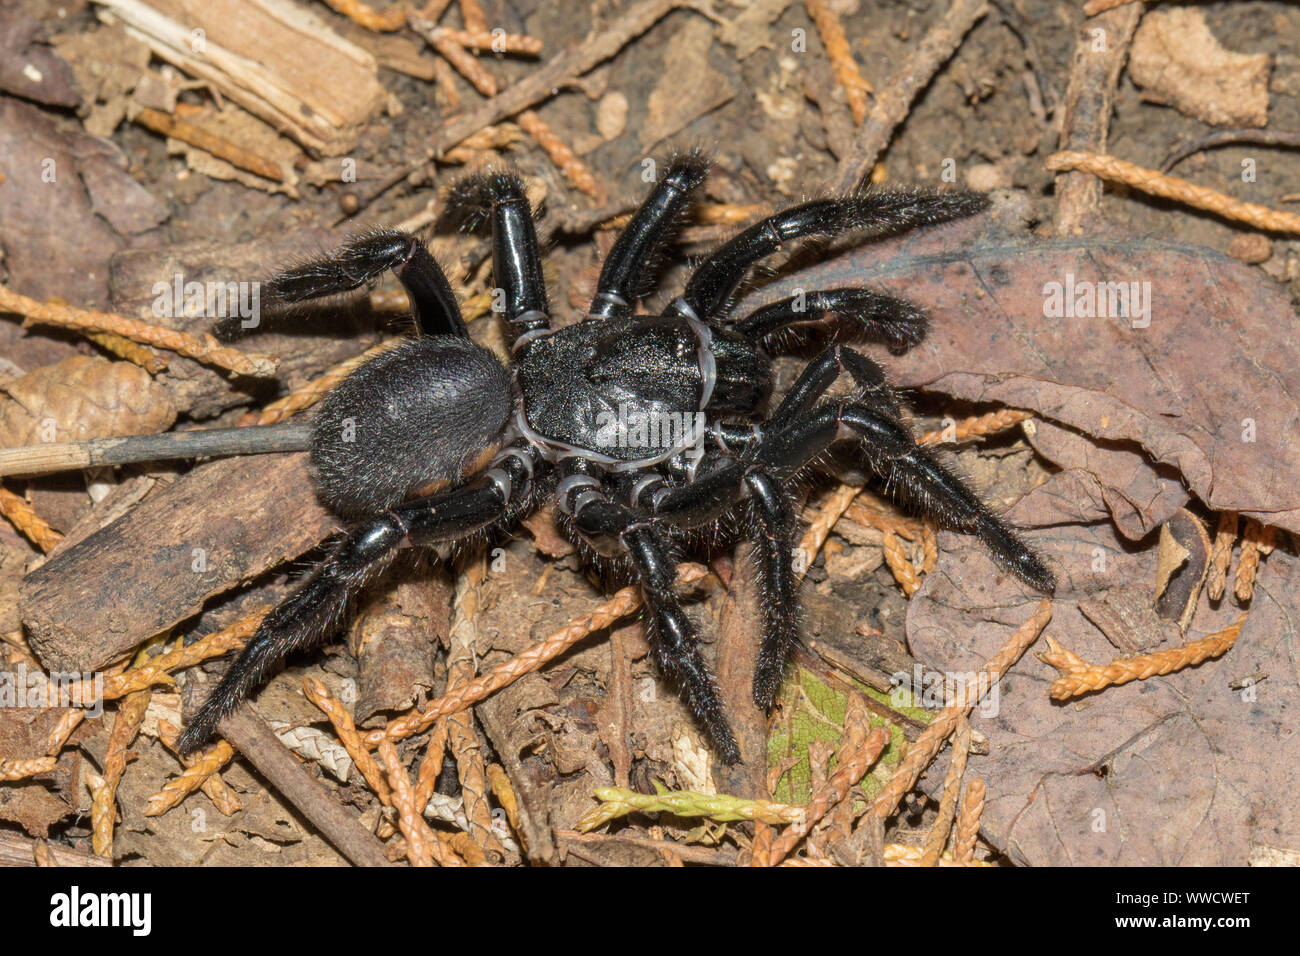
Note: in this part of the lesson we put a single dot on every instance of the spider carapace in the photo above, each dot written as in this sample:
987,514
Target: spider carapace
645,430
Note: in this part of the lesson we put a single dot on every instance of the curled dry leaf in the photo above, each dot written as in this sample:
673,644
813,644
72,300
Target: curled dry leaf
83,397
1177,61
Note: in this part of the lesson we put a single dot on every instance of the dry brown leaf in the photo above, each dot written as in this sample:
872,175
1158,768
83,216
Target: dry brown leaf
80,398
1177,61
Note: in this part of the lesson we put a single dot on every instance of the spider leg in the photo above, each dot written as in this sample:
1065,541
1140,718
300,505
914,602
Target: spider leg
670,631
907,467
622,276
775,531
773,527
715,280
308,615
516,256
820,373
363,258
877,317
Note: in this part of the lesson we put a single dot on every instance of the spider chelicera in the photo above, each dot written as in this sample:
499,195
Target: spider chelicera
646,430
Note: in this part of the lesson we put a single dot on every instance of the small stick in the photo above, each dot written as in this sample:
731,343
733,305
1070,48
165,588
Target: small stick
346,730
492,43
103,805
258,743
1155,183
894,101
166,446
471,11
223,149
206,349
1225,137
1256,541
938,835
1094,7
1221,554
977,426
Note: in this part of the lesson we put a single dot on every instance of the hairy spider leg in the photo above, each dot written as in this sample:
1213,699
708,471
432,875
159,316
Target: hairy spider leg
363,258
307,616
878,317
908,470
710,288
516,256
670,632
818,376
797,432
623,276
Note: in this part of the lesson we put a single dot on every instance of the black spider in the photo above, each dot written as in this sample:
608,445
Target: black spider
645,429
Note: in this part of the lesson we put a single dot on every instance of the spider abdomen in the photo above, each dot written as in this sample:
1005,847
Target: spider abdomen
414,418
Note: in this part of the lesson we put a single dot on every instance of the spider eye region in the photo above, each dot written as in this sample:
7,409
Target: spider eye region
415,418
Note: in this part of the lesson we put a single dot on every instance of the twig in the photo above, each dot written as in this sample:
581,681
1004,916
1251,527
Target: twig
1221,555
619,801
1088,105
103,805
931,739
1156,183
977,426
258,743
223,149
894,101
1080,677
1228,137
394,18
346,731
483,40
223,798
1094,7
194,776
1256,541
859,752
196,443
157,670
461,736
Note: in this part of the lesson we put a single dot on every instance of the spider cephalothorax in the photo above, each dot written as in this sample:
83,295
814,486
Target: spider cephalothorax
643,429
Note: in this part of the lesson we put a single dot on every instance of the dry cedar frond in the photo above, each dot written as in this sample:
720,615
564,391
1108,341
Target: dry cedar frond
21,769
1155,183
623,603
346,729
1080,677
938,835
23,517
931,739
1221,555
103,806
968,822
1256,541
203,766
977,426
204,349
837,50
223,798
